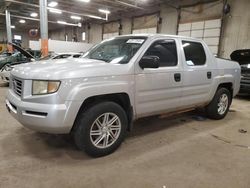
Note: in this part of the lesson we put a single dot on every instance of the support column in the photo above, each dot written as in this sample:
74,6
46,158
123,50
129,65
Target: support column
44,27
8,29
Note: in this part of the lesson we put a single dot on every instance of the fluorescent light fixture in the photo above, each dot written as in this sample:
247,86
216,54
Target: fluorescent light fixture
96,17
12,27
33,14
71,24
22,21
53,10
62,22
76,17
85,1
52,4
104,11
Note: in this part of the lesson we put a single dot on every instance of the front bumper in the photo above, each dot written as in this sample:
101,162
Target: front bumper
49,118
5,76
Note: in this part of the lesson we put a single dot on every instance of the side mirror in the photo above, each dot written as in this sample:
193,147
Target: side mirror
150,62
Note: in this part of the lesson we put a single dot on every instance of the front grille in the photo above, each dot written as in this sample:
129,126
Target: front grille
17,86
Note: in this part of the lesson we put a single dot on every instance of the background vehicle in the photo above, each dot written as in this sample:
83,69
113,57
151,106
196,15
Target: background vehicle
243,57
96,98
18,56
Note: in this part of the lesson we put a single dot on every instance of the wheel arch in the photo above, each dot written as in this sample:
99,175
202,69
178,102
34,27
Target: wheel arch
227,85
120,98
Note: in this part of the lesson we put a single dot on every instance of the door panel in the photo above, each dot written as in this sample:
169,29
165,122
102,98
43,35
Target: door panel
196,86
197,75
157,91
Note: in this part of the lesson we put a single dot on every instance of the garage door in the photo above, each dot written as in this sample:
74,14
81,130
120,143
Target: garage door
110,30
208,30
145,24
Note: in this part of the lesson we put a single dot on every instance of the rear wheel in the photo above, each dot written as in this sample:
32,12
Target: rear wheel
101,129
219,106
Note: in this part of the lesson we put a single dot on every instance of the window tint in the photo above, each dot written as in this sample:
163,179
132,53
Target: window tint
165,50
194,53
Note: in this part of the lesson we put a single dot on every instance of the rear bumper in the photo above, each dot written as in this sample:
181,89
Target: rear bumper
49,118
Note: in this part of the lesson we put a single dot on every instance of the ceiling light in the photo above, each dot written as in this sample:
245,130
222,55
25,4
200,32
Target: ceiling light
57,11
104,11
62,22
12,27
76,17
85,1
33,14
22,21
71,24
52,4
95,17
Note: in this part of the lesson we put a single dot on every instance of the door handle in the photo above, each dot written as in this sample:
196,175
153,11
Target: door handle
177,77
209,75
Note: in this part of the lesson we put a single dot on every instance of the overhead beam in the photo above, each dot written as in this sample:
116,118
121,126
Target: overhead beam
129,5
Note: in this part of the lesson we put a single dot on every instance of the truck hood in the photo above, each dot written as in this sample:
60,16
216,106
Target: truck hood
67,69
241,56
24,52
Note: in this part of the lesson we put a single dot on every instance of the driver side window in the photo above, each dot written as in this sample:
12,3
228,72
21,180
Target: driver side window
165,50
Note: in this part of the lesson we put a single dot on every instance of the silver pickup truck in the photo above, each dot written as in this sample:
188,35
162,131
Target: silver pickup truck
97,97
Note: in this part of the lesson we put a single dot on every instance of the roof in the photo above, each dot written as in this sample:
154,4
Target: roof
160,35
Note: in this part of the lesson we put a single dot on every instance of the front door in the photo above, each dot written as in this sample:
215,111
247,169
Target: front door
159,90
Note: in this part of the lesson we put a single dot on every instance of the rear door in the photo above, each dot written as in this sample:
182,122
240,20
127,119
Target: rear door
159,90
197,75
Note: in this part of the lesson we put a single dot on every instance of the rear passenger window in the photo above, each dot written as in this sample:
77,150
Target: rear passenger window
165,50
194,53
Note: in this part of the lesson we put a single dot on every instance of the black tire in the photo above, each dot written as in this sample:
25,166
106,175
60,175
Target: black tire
86,119
212,108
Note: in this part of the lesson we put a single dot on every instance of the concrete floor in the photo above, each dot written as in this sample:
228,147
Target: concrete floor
172,152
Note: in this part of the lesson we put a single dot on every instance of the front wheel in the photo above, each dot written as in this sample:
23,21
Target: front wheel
219,106
101,129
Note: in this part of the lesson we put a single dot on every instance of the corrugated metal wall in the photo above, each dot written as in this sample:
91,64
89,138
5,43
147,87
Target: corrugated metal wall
208,30
145,24
110,30
204,22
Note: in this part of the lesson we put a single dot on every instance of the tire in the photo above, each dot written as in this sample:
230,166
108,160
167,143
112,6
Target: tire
95,139
213,110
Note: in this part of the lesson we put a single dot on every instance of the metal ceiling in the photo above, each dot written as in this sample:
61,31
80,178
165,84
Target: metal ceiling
118,9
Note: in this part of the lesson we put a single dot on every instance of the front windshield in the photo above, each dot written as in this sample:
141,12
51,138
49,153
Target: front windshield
116,50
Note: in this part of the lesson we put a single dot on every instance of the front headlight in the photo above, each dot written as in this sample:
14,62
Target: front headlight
40,87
